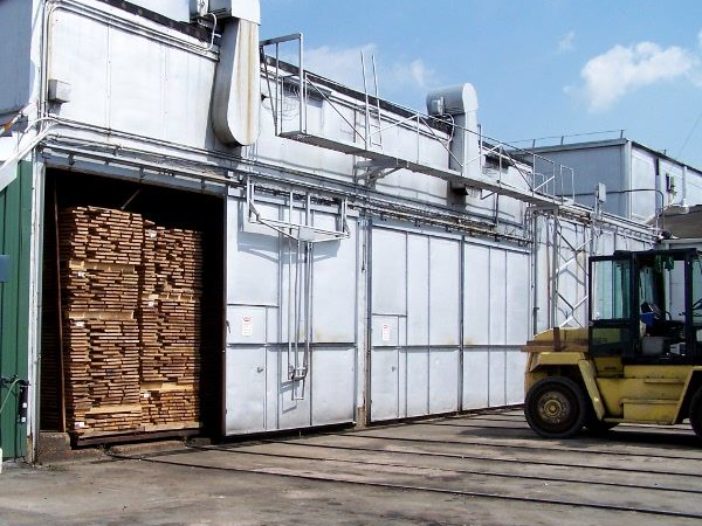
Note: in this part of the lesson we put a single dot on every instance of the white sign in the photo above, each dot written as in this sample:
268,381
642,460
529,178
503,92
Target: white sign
247,326
386,332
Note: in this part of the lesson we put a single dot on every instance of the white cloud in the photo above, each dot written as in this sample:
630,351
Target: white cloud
612,75
341,65
567,42
344,65
699,38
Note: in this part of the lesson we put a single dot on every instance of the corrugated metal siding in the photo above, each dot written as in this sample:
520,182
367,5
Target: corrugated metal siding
15,226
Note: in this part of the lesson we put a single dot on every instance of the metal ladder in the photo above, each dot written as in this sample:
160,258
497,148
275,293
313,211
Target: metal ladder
373,136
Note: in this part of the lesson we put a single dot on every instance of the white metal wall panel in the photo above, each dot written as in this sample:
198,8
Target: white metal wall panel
498,378
252,259
476,382
517,278
417,290
416,387
496,317
515,365
89,44
444,374
389,272
335,280
186,77
445,292
246,389
498,297
136,84
259,395
385,384
149,87
423,375
476,324
333,379
643,176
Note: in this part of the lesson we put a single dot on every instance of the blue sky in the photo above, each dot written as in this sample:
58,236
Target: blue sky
542,68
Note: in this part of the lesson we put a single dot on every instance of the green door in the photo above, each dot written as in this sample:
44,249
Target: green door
15,238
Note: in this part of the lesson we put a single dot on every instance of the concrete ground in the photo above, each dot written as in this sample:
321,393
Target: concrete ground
478,469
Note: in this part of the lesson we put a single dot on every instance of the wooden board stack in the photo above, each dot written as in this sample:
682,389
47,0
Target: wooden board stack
170,319
100,259
131,292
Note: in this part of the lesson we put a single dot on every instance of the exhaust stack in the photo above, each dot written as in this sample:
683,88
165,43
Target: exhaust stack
460,103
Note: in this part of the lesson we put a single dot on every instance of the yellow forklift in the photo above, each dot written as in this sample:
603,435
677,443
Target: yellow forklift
640,359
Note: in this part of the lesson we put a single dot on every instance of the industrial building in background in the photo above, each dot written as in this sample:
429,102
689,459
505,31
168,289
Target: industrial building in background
203,238
641,183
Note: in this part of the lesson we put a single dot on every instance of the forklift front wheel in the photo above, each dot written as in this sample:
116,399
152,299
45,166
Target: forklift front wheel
555,407
696,412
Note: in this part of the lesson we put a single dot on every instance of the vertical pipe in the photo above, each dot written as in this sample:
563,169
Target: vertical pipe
290,291
35,321
290,305
298,299
308,308
308,292
368,262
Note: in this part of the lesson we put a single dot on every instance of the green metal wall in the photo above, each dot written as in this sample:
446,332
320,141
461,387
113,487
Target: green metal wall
15,238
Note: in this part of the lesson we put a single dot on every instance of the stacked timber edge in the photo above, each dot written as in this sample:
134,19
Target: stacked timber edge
170,321
131,323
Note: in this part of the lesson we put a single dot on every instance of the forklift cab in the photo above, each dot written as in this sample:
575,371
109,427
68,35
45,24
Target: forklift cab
646,307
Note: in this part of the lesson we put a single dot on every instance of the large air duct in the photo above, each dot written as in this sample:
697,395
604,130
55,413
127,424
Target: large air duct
236,98
461,104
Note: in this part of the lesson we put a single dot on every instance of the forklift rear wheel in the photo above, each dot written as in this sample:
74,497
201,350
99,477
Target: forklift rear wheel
555,407
696,412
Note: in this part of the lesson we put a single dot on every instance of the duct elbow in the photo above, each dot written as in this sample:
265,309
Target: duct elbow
455,100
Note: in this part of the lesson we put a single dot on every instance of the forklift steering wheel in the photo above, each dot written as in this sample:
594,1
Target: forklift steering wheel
654,309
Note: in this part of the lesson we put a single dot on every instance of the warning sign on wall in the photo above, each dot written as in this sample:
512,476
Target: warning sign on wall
247,326
386,333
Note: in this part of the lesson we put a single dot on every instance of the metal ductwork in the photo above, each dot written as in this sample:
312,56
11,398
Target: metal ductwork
236,97
461,104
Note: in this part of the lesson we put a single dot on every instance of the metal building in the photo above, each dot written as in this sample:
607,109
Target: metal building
641,182
368,262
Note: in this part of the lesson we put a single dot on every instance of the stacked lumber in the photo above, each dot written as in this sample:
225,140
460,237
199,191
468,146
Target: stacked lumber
170,320
100,253
132,315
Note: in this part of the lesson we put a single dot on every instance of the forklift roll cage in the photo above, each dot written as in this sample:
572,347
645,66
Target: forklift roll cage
626,319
